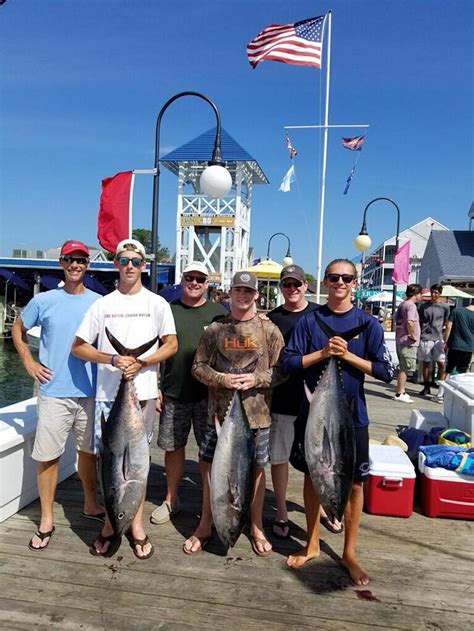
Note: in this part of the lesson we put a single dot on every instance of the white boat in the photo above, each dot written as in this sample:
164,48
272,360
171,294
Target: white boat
33,337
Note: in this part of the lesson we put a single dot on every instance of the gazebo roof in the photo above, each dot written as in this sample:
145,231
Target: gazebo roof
200,150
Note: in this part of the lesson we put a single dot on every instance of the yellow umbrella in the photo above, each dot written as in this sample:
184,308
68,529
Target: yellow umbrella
266,269
454,292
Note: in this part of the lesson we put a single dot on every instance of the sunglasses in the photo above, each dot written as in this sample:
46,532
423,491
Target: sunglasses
80,260
124,260
190,277
291,284
346,278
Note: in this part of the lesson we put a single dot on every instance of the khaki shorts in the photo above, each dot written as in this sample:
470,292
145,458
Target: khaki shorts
431,351
282,434
407,358
57,417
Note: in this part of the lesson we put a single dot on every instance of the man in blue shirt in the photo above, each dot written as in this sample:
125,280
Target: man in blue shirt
66,386
308,350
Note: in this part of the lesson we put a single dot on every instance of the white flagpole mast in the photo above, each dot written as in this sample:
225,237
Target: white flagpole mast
325,152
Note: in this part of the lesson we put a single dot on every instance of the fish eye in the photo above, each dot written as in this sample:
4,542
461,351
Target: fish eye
121,515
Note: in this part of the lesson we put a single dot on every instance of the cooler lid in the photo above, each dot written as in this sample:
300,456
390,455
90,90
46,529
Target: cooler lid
16,422
390,460
439,473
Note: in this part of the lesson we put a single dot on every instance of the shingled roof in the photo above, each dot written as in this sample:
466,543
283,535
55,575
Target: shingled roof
455,252
200,150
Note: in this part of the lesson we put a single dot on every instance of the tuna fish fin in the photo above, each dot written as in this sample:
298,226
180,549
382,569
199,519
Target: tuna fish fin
218,425
326,455
309,394
346,335
126,463
123,350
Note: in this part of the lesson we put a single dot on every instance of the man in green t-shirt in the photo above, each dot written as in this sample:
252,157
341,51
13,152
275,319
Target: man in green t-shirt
183,399
459,339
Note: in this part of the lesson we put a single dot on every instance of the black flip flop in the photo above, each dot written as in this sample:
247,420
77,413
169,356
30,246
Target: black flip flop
281,524
330,526
99,517
139,542
42,536
114,545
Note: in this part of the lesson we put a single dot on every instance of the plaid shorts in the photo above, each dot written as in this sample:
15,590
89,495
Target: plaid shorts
261,438
175,422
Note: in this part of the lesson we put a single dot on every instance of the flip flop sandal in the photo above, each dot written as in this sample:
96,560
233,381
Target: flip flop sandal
330,526
281,525
42,536
262,541
139,542
99,517
203,541
114,545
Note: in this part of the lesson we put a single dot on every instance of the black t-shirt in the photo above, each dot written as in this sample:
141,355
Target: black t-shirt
287,397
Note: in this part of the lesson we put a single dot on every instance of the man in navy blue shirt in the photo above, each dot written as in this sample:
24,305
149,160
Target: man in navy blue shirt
308,350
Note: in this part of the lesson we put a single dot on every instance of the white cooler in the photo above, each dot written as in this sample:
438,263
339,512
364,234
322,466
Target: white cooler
458,404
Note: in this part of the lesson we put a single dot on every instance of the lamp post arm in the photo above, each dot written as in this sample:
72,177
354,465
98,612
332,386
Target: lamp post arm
275,235
215,159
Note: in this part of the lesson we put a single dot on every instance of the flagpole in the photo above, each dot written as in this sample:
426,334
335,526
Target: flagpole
323,173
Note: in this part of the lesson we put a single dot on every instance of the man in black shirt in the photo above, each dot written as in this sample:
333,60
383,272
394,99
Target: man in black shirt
287,397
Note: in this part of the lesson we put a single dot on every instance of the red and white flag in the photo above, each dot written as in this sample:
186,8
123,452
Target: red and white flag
401,264
114,221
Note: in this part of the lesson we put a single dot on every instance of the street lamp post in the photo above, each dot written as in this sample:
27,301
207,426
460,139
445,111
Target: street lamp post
362,242
287,260
215,180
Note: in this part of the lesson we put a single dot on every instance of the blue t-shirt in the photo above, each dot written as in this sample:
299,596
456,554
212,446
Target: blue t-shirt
308,337
59,315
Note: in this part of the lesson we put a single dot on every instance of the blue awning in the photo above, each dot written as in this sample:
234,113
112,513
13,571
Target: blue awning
13,278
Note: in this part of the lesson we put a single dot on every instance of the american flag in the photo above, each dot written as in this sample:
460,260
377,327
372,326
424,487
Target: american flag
353,144
291,150
299,44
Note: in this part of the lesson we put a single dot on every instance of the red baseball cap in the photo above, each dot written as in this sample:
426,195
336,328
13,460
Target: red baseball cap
74,246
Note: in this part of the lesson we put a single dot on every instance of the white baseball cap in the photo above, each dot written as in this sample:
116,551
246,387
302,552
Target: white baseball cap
130,244
196,266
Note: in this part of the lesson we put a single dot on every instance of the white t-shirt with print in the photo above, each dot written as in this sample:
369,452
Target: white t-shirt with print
134,320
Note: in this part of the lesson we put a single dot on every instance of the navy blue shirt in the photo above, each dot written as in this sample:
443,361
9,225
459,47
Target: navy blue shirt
308,337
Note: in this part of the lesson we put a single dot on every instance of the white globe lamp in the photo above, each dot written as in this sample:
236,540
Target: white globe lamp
287,260
215,181
362,242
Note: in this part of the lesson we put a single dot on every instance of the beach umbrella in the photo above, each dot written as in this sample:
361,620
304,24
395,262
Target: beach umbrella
267,269
383,296
453,292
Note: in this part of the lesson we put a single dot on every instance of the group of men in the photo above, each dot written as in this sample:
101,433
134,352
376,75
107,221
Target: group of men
430,334
206,353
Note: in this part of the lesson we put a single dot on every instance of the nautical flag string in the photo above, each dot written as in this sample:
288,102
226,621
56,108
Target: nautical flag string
355,143
299,43
292,151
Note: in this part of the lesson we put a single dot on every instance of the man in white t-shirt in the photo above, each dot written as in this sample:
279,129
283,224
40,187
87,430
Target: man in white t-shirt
134,315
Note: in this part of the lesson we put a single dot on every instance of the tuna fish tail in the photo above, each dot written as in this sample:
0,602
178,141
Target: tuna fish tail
123,350
346,335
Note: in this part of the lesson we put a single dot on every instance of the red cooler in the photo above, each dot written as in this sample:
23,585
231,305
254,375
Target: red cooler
445,493
391,484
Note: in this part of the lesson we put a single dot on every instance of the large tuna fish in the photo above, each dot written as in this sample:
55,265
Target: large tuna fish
232,473
329,442
124,457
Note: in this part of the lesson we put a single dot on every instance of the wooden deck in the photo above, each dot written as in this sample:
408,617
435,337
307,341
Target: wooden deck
421,568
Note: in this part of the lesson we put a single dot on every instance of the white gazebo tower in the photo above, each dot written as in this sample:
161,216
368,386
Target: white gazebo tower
213,231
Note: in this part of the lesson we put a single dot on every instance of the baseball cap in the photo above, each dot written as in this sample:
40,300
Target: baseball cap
245,279
196,266
293,271
74,246
130,244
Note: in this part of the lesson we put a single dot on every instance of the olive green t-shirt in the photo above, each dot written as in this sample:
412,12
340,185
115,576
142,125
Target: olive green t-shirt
461,337
177,381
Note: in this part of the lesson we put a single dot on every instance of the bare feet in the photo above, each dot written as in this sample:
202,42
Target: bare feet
357,574
299,558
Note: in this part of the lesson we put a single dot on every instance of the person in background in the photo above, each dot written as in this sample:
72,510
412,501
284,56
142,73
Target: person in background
66,387
459,339
407,339
434,316
182,400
